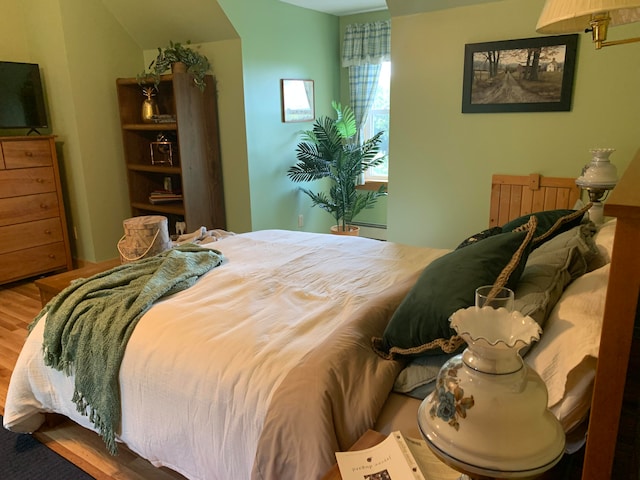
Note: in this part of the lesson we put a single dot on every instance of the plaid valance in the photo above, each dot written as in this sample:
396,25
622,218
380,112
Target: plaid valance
366,43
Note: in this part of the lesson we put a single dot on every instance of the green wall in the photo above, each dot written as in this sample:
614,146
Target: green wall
281,41
442,160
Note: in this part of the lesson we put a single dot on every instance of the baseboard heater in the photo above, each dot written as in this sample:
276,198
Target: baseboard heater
376,231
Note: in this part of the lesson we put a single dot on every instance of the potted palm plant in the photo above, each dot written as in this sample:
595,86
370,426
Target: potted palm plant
331,150
182,56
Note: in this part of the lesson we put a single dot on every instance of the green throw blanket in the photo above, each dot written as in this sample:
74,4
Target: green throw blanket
90,322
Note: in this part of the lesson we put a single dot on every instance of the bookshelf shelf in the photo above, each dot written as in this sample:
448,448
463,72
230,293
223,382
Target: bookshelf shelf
195,172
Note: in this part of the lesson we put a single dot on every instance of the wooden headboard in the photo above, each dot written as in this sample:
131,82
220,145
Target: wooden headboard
513,196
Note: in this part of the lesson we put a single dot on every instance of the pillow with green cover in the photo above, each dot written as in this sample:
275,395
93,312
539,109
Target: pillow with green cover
489,232
420,324
553,266
548,271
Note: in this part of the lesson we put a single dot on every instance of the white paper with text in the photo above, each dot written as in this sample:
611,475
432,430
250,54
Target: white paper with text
389,460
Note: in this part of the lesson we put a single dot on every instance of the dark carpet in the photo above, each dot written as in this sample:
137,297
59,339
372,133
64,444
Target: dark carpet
22,457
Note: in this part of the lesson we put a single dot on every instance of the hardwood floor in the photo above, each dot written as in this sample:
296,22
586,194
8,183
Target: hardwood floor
19,304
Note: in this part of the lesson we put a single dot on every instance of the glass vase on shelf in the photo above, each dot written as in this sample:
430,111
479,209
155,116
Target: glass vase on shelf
488,415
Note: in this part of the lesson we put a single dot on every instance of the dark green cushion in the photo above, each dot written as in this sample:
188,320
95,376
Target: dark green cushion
550,268
448,284
489,232
550,223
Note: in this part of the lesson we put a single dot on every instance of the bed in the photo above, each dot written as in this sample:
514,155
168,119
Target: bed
265,367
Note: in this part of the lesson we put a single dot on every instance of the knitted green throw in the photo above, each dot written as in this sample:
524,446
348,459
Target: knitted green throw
90,322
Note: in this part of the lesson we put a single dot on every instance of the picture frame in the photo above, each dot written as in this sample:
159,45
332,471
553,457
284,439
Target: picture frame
297,100
524,75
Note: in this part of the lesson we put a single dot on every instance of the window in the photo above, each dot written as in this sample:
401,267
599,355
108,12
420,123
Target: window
378,119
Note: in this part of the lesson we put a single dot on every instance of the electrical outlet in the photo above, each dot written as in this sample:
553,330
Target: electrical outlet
300,221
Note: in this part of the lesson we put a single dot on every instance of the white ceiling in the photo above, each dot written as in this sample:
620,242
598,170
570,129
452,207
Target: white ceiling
340,7
395,7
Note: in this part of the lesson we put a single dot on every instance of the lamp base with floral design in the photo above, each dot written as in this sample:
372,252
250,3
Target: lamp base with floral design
488,415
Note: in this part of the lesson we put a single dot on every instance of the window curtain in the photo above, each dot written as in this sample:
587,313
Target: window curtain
365,47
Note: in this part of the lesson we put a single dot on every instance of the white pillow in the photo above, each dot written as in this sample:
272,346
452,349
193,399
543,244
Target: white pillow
604,238
570,342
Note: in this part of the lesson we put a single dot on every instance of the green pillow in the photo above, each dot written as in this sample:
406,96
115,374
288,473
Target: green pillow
550,268
489,232
420,325
550,223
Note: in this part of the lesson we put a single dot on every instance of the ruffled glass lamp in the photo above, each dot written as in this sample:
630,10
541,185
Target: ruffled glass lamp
488,415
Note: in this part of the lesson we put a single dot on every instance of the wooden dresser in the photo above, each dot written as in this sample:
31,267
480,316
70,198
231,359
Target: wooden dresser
33,228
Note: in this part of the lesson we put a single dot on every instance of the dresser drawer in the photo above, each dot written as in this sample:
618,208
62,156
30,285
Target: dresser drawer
32,261
26,181
32,234
29,208
27,153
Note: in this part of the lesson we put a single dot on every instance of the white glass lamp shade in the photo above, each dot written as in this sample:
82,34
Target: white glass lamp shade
569,16
600,173
488,414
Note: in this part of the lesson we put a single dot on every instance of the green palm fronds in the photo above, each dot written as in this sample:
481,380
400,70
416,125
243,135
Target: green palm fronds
330,150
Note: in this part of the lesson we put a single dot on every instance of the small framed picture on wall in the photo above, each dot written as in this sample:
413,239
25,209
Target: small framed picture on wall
297,100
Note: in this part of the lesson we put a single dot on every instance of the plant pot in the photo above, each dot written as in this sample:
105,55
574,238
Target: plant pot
179,67
351,230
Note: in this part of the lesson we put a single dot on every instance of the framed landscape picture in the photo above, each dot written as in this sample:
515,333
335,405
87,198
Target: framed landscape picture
525,75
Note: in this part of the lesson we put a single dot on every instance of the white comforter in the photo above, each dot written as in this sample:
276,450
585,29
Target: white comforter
203,366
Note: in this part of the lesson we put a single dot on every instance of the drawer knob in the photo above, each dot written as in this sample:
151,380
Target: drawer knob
44,206
40,180
28,153
47,232
51,255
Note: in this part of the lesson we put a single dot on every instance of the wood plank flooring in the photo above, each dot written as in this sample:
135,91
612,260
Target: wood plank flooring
19,304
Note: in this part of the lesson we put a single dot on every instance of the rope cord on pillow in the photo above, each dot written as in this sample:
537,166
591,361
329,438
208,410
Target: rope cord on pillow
558,223
447,345
506,272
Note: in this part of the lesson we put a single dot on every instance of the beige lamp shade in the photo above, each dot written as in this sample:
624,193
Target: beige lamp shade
569,16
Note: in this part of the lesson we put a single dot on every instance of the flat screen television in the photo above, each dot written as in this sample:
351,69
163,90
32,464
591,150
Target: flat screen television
22,102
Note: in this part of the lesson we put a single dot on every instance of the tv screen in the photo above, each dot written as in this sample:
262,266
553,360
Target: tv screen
21,96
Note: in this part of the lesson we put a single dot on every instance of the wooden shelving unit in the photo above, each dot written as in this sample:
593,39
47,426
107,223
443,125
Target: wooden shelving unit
196,170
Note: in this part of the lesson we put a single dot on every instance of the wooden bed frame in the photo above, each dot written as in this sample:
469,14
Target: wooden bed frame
620,314
513,196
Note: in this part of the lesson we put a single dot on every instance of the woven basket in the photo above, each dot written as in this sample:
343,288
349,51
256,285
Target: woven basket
143,237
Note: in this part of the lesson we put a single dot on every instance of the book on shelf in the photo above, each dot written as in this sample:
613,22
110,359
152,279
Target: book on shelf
163,196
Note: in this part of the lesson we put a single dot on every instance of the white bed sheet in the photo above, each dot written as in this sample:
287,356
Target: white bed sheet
202,366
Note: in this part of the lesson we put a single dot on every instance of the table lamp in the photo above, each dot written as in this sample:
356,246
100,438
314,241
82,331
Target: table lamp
595,16
598,178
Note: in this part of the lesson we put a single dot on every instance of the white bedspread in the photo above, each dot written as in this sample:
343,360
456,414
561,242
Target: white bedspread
202,366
